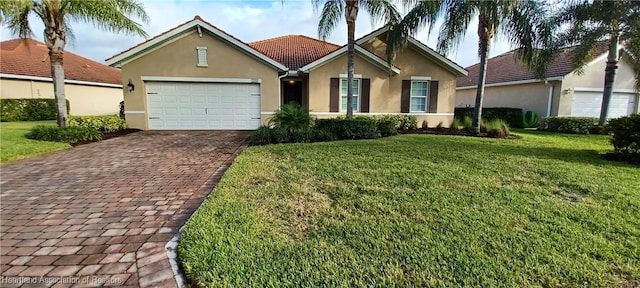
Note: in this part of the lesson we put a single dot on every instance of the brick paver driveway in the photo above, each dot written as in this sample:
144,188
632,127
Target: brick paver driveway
102,213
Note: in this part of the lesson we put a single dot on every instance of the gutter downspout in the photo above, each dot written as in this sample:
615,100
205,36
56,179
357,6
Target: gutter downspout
280,88
549,98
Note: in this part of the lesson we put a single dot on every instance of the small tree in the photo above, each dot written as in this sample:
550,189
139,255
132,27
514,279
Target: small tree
332,13
57,15
521,21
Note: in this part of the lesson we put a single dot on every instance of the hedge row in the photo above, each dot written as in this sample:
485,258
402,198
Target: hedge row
513,116
572,125
103,123
328,130
31,109
626,137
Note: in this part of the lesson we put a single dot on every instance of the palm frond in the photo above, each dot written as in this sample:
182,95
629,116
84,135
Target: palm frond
381,10
15,14
632,55
332,13
456,22
109,15
424,14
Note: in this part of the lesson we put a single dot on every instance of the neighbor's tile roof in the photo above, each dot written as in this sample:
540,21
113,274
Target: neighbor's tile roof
31,58
294,51
508,67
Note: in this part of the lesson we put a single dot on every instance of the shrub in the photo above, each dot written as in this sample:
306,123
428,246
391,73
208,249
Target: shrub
497,128
105,123
402,121
292,118
31,109
440,127
387,127
512,116
456,125
356,128
573,125
321,135
64,134
467,122
425,124
261,136
626,137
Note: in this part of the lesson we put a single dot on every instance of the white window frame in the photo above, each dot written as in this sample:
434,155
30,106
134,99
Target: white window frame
358,78
416,79
201,56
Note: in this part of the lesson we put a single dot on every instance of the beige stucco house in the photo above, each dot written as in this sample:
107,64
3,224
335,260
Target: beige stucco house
196,76
92,88
565,92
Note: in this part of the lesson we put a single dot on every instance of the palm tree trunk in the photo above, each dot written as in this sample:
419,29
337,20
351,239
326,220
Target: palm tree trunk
351,14
609,78
484,34
57,74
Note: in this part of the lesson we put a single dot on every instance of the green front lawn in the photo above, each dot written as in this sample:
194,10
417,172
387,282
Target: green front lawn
14,146
421,210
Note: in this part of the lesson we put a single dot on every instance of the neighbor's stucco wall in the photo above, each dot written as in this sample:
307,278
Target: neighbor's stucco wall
530,97
385,92
179,59
83,99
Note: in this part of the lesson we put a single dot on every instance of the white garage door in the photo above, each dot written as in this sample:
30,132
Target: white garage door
203,106
588,104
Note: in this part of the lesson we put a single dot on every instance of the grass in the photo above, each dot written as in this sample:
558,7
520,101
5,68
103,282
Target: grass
421,210
14,145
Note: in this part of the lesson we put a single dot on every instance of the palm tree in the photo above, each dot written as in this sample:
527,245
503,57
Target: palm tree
594,23
332,13
521,21
57,15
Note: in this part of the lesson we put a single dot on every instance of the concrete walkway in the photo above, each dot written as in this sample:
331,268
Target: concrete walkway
102,213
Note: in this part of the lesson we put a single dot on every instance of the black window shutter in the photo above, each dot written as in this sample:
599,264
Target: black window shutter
405,99
334,95
433,97
365,95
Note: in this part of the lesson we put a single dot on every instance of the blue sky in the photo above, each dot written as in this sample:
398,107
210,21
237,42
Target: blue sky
247,20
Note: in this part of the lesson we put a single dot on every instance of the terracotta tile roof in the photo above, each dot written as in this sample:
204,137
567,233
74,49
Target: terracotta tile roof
31,58
197,17
507,68
294,51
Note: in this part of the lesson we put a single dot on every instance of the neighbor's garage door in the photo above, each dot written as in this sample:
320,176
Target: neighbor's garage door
203,106
588,104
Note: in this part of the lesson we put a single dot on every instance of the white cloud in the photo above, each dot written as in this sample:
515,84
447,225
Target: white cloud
247,20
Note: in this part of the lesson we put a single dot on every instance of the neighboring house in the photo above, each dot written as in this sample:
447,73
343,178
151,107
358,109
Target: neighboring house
25,72
564,92
196,76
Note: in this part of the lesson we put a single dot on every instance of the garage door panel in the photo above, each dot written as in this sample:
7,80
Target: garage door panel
588,104
203,105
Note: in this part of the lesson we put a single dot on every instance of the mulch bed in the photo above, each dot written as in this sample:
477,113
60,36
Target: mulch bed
109,135
447,131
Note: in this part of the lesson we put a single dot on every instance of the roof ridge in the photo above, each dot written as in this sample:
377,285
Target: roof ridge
290,36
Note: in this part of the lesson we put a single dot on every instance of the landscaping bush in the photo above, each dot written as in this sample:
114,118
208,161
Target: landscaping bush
402,121
29,109
71,134
292,118
512,116
387,127
497,128
322,135
626,137
356,128
573,125
262,136
105,124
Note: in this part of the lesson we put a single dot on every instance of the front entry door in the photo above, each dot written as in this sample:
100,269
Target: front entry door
292,92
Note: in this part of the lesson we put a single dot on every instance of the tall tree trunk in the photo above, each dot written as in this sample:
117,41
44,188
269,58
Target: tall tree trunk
56,44
609,78
485,33
351,14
